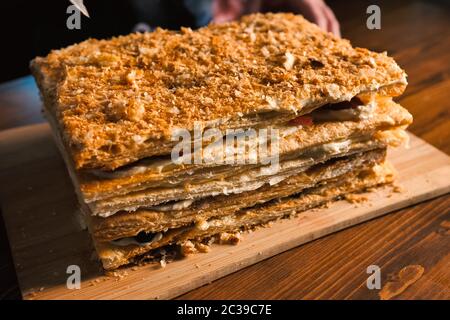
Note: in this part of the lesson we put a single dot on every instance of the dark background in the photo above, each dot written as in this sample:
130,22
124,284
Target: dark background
33,28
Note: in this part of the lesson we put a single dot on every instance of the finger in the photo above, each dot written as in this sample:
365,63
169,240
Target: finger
252,6
312,11
333,23
318,16
226,10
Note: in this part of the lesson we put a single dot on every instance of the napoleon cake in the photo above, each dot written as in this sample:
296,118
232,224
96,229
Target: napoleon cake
316,116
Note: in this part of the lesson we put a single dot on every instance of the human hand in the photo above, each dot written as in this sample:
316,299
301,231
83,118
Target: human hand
315,11
227,10
318,12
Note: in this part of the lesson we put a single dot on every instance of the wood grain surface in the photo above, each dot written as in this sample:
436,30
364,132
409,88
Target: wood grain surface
40,213
415,33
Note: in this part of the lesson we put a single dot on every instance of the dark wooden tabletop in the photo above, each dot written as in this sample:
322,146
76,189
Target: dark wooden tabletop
416,33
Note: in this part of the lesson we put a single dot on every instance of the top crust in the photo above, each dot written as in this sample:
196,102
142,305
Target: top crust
118,100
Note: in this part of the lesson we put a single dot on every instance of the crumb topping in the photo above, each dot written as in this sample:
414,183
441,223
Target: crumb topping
105,93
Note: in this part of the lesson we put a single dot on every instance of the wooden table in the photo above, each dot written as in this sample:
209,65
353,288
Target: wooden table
416,33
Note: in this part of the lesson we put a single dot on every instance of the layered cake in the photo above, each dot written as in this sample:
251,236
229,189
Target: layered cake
180,138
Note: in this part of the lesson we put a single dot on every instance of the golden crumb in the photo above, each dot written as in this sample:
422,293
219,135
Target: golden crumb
116,274
203,248
398,188
229,238
355,198
187,248
105,93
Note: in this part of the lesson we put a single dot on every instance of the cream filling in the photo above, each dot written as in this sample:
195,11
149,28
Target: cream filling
335,147
143,167
201,225
179,205
328,149
362,112
160,165
132,241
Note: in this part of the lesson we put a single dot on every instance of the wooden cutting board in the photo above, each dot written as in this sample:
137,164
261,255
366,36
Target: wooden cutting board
38,205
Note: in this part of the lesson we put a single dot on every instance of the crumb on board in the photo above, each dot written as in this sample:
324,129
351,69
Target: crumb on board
355,198
97,281
230,238
187,248
116,274
211,241
398,188
201,247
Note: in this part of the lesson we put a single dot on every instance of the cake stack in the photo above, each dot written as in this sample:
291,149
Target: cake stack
176,139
